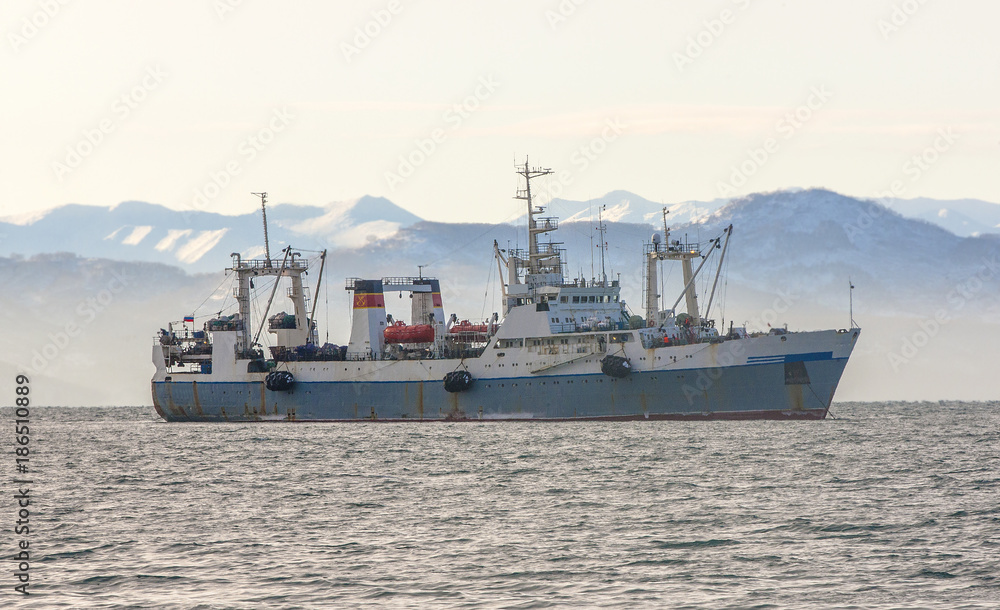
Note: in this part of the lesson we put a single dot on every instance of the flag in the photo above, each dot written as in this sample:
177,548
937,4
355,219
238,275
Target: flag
189,319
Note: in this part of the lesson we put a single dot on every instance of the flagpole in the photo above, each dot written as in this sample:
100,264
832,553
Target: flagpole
851,284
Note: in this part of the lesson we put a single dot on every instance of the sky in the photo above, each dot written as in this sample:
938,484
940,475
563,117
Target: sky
195,104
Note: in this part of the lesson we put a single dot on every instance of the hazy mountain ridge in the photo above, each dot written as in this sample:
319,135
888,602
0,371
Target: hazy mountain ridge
965,217
83,327
820,238
139,231
196,240
623,206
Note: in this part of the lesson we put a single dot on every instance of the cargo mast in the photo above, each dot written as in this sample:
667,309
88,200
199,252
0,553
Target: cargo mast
535,256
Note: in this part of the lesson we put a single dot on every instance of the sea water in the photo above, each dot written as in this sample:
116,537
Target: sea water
893,505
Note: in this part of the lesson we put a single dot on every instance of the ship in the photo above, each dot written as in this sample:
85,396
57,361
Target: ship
560,350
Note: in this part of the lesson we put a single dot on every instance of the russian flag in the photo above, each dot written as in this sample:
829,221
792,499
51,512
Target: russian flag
189,319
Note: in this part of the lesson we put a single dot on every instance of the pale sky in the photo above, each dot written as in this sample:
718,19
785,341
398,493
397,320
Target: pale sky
106,101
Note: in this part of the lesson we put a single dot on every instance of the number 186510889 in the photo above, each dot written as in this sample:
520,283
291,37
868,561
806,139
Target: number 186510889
22,413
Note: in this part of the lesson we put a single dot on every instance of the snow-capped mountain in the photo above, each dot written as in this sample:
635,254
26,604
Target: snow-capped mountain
816,239
196,240
963,217
623,206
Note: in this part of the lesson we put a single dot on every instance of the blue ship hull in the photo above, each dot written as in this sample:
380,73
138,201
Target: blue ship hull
751,391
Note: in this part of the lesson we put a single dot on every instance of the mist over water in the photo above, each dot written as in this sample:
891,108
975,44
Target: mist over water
888,505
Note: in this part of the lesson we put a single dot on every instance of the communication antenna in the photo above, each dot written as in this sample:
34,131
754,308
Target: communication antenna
591,203
851,284
534,256
666,246
263,211
601,228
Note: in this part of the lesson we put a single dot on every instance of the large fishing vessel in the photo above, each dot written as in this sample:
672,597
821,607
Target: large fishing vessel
562,349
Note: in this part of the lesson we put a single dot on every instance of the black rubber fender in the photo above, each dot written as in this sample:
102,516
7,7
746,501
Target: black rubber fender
458,381
279,381
616,366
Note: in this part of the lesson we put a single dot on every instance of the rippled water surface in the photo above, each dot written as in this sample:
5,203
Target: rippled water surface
889,505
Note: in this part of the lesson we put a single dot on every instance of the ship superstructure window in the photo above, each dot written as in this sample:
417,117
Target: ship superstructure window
563,299
621,337
576,299
509,343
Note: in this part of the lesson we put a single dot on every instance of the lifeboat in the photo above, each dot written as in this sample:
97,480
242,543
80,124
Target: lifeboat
467,327
466,331
401,333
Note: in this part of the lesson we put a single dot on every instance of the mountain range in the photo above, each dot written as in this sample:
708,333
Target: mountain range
199,240
196,240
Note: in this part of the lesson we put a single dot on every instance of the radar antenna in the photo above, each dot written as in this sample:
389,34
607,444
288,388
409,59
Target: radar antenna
263,211
533,229
603,245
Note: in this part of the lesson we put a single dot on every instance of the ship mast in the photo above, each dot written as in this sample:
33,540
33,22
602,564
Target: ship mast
685,253
263,212
287,336
601,228
534,228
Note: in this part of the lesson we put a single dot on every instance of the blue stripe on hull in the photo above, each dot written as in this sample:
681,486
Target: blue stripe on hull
742,392
810,357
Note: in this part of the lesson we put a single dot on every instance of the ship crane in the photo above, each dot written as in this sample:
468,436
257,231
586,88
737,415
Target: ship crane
684,252
292,266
